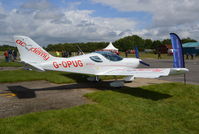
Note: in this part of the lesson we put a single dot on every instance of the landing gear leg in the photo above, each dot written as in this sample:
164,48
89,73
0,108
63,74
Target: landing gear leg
97,79
129,78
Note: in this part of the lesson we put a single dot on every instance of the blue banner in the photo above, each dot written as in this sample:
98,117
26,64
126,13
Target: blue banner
178,56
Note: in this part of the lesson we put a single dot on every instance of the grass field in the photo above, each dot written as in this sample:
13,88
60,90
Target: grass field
157,109
10,64
51,76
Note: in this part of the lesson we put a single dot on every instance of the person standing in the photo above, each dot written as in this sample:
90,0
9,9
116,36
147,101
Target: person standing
126,53
14,54
187,56
66,54
57,53
69,53
191,56
10,55
159,54
6,56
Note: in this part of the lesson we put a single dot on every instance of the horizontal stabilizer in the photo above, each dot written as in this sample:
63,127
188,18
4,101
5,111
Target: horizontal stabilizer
31,66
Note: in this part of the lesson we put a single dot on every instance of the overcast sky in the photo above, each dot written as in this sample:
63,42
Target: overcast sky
58,21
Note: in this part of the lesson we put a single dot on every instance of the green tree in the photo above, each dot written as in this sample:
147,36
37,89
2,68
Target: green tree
156,44
123,44
7,47
186,40
148,43
166,41
129,42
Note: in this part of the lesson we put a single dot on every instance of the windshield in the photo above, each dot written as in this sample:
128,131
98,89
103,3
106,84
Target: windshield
109,55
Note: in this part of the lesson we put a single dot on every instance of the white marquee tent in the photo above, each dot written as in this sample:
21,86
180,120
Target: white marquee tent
110,47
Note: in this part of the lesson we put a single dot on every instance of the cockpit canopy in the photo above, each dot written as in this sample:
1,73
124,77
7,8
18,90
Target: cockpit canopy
109,55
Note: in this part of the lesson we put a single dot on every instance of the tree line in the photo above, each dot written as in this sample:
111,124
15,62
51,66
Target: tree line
74,47
7,47
123,44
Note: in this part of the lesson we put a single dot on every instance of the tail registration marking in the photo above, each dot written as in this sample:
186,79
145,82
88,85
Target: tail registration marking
68,64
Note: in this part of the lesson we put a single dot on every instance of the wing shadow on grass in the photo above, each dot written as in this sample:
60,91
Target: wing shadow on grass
23,92
143,93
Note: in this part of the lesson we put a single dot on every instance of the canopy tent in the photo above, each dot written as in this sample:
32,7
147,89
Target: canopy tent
191,48
191,44
110,47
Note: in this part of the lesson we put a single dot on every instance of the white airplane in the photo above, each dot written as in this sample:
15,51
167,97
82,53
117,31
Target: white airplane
97,63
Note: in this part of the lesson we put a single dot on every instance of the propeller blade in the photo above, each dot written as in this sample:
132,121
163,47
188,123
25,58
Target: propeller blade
146,64
137,56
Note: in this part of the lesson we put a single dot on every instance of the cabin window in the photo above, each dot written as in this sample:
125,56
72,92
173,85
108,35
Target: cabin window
96,59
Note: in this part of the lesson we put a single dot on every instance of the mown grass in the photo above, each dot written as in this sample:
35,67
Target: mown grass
51,76
10,64
157,109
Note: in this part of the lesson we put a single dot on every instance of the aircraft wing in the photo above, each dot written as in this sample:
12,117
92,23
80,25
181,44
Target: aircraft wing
146,72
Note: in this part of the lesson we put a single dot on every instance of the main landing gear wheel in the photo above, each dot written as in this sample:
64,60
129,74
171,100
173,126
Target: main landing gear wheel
117,84
94,79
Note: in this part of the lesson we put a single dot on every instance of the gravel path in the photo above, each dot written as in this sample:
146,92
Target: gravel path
10,68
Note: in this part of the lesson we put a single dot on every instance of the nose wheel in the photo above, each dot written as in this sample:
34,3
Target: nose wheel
129,79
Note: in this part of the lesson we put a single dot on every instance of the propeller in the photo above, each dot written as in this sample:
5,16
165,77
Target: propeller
146,64
137,56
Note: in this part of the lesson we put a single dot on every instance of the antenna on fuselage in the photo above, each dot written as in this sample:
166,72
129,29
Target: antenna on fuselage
80,49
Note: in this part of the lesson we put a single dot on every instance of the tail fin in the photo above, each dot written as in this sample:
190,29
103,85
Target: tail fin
178,56
30,51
